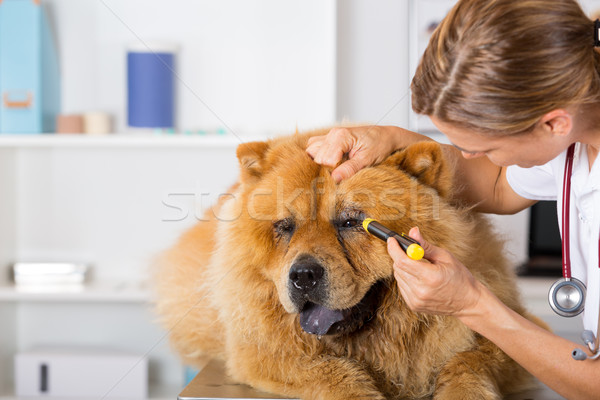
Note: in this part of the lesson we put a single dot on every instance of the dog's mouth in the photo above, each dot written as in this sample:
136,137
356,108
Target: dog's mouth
319,320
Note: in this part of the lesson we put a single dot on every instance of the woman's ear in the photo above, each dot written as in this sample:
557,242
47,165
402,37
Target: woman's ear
558,122
425,161
251,156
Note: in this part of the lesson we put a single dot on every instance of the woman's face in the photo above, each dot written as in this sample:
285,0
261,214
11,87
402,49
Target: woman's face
525,150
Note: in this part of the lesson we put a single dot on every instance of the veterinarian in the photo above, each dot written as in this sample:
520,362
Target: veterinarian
513,85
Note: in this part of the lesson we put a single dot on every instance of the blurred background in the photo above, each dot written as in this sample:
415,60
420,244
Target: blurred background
118,127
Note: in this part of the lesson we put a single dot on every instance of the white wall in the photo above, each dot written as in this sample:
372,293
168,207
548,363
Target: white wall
251,66
372,66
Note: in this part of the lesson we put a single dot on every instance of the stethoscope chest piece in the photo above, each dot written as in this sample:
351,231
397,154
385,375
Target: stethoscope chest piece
567,297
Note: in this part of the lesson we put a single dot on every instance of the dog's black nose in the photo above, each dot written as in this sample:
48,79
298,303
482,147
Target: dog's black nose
306,274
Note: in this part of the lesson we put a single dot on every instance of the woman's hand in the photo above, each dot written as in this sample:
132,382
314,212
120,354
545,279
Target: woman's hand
441,286
365,145
445,286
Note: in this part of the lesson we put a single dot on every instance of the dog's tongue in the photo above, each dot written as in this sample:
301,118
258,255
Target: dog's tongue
317,319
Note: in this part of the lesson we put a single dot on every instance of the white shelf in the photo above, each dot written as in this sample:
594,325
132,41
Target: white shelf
101,292
123,140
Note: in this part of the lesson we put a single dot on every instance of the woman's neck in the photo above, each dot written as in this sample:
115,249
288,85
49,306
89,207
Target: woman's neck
589,130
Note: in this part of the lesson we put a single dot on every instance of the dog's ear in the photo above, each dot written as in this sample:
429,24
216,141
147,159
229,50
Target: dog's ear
251,156
426,162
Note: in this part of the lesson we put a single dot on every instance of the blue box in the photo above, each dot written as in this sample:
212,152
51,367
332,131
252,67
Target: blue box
29,72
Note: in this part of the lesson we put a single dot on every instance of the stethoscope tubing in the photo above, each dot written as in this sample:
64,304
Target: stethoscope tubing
567,295
566,209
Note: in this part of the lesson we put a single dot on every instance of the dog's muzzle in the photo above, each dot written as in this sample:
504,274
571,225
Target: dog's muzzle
308,289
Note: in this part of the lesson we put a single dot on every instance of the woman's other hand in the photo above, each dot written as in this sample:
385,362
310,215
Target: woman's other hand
365,145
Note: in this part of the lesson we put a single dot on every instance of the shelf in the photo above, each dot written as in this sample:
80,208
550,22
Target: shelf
123,140
100,292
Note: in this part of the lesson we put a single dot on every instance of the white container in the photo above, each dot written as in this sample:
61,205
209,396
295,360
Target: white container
97,123
49,273
81,374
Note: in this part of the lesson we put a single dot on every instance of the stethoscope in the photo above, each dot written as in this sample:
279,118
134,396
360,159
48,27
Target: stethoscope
567,295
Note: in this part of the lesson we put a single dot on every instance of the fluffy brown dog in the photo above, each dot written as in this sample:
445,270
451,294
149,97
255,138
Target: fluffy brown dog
283,283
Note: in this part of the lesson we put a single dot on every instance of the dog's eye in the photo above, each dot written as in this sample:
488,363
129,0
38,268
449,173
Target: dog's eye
284,227
348,220
349,223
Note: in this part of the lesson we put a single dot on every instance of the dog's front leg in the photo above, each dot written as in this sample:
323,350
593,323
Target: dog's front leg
484,372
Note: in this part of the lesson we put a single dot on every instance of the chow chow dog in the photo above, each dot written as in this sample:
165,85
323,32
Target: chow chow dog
281,281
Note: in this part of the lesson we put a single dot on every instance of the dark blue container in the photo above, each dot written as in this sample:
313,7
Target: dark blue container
150,89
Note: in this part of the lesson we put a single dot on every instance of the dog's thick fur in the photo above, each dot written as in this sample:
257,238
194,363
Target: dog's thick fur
224,290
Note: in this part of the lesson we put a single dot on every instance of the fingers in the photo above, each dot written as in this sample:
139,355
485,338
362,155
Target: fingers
407,280
347,169
402,262
395,251
432,253
314,145
314,139
329,149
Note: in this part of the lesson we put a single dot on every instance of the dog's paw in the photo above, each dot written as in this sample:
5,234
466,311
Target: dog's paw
346,395
467,389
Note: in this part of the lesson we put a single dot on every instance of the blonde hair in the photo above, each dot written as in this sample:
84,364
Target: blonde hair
497,66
